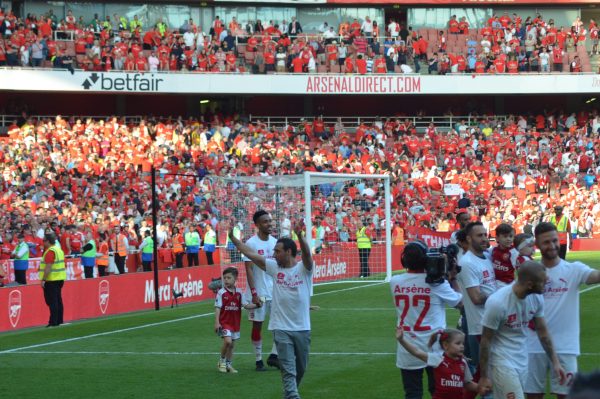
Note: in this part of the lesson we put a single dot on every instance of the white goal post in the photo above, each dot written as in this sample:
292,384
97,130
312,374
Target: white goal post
333,206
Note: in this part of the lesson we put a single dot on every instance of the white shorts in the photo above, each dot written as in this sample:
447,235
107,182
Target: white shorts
260,314
507,383
235,335
540,365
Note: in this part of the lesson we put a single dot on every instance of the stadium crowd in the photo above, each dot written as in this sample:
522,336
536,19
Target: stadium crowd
505,44
79,177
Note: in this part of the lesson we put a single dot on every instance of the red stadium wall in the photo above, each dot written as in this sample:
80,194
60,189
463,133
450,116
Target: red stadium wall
23,306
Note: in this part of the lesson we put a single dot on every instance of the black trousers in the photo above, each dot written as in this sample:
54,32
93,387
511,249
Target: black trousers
179,260
147,265
363,254
102,271
412,380
88,272
562,252
21,276
209,258
53,298
120,263
193,259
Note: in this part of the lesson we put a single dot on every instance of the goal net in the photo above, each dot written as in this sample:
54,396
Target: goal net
339,211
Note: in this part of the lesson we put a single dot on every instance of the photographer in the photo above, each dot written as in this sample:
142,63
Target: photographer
420,297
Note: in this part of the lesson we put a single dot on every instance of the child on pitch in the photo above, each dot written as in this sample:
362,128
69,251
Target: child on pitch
228,313
525,244
504,255
450,369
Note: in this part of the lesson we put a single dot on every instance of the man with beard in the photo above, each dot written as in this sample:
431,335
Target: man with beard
561,302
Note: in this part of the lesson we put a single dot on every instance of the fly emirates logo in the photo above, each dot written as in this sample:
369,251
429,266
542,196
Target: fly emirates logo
454,381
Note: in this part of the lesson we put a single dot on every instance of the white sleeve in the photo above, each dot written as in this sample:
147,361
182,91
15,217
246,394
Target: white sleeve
447,294
219,300
583,272
271,267
22,251
493,314
434,359
514,254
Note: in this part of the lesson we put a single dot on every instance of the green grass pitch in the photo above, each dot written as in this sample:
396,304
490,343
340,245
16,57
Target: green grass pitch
173,353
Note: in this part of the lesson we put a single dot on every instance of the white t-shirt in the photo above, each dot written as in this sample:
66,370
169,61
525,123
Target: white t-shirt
263,283
561,302
421,310
290,309
509,316
476,272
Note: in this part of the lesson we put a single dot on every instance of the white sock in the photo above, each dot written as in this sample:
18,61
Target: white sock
274,349
257,349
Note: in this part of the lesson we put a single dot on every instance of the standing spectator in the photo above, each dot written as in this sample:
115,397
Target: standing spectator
294,28
121,247
367,28
21,256
561,309
563,226
507,316
363,243
88,256
210,242
53,275
147,248
103,255
192,246
290,318
177,247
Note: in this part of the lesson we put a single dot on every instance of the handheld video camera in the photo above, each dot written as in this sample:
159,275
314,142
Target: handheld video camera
440,262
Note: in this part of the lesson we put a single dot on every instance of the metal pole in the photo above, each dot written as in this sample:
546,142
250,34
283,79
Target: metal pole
388,229
308,214
155,254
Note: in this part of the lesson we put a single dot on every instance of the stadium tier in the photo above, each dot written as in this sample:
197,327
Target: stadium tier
487,43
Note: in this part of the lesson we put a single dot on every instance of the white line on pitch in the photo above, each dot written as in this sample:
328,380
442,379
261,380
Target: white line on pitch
62,341
26,352
589,288
105,333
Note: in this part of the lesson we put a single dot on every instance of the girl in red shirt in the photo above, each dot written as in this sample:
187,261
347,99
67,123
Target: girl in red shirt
450,369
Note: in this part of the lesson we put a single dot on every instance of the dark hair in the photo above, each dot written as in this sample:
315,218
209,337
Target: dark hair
544,227
231,270
258,214
414,255
504,229
288,245
461,236
50,237
470,227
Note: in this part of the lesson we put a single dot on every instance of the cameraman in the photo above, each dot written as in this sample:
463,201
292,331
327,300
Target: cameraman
421,312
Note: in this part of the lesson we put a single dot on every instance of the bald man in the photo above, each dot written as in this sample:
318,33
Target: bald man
507,315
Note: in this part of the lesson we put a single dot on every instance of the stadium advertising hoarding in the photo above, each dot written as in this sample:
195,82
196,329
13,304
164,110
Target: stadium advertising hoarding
294,84
23,306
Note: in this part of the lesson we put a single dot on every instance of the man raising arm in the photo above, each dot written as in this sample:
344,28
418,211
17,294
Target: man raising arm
290,314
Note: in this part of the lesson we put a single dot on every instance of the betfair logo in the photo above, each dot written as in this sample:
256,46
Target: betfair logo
118,82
